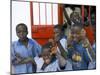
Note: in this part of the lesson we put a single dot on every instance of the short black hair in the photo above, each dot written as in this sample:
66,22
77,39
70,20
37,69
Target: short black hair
59,26
21,24
47,45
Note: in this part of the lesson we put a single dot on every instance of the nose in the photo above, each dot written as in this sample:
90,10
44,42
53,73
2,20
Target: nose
21,33
74,35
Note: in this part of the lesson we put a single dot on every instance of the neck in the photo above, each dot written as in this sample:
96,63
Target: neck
24,42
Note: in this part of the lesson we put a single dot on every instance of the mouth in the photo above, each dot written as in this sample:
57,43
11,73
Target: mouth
22,38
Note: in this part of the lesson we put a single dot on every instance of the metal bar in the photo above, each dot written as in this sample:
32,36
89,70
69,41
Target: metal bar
45,14
31,13
52,12
39,14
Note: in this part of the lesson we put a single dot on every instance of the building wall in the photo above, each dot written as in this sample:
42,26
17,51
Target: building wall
20,14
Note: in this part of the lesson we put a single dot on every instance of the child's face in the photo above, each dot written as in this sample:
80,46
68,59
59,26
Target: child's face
21,32
74,17
46,56
57,34
76,33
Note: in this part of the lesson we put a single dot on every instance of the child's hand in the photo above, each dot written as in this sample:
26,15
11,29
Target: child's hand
27,60
53,50
18,58
61,60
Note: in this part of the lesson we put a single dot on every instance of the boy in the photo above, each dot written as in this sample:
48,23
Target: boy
49,62
78,48
60,39
60,42
23,51
44,62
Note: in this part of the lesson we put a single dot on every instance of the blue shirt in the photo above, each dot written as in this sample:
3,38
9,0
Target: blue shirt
94,47
33,49
83,64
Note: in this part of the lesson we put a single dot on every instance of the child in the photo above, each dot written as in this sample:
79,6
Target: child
78,48
60,39
23,51
49,62
44,62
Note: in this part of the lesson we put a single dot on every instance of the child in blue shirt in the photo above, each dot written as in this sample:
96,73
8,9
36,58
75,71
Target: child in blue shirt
23,51
78,53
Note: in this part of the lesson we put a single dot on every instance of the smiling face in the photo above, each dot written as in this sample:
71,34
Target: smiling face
76,33
21,31
57,32
74,17
46,55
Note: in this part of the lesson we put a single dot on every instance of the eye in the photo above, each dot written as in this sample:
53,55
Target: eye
21,31
18,31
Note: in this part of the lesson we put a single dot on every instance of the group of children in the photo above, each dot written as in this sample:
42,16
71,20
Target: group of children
61,53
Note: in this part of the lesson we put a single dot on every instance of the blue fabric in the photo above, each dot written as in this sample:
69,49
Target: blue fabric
82,65
33,49
94,47
92,65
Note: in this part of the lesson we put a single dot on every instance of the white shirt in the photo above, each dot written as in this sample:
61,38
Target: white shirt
63,42
52,67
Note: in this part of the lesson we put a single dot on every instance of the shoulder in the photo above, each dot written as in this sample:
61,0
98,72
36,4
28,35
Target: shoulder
35,43
14,43
32,41
63,41
64,38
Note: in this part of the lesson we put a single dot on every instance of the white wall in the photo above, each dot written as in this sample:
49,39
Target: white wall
20,14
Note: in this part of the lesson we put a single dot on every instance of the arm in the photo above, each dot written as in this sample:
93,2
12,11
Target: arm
15,57
61,61
87,45
63,52
27,60
89,50
66,16
37,47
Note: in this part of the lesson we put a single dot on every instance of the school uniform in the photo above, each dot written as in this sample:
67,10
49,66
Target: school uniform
33,49
67,67
52,67
94,47
92,64
83,64
63,42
